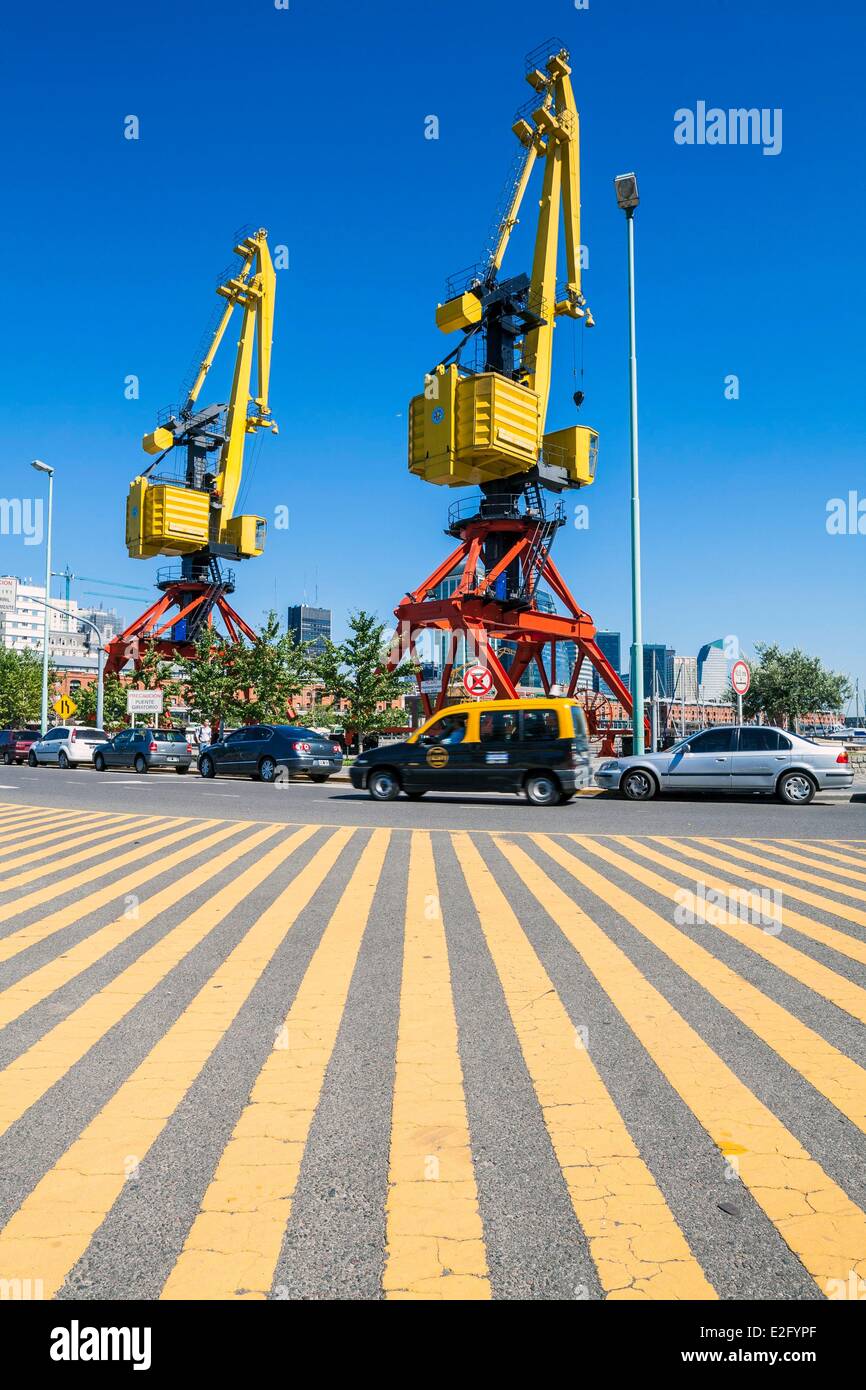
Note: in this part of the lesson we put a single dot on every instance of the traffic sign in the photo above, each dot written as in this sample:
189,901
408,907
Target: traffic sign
144,702
64,707
477,681
741,677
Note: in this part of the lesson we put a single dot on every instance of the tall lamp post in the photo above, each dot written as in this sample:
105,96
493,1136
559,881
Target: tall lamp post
627,198
43,468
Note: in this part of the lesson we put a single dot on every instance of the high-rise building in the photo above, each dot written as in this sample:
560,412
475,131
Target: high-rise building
22,621
713,674
310,625
686,679
658,670
610,644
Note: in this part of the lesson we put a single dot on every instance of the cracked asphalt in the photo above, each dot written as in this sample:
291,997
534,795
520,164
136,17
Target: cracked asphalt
287,1043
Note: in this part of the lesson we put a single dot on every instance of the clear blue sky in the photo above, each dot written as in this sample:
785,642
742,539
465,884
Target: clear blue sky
311,122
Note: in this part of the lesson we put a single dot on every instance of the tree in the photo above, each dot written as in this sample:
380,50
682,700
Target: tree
274,669
20,687
211,677
114,703
156,673
355,671
786,686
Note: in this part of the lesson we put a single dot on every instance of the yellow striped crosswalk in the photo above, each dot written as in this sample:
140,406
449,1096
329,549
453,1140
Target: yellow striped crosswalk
226,967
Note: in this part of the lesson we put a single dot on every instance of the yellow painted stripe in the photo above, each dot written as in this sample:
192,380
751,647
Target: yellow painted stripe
821,849
234,1243
54,1225
39,984
798,858
98,830
13,828
802,875
842,1081
817,1220
844,944
26,1079
435,1240
53,865
76,911
760,878
638,1248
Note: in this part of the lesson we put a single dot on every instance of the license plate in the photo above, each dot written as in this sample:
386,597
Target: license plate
323,762
172,760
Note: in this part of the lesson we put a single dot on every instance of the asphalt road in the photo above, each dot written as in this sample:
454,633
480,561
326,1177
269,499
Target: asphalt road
337,803
285,1043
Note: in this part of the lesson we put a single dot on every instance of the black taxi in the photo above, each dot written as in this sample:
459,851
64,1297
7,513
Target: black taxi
538,747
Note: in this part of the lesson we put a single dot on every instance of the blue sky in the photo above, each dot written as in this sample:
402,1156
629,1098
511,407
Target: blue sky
310,121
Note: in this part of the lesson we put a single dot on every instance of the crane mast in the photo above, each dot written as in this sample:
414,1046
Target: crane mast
488,426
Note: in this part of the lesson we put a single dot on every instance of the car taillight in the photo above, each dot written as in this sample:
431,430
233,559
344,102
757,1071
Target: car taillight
152,747
336,747
189,748
72,736
842,758
301,747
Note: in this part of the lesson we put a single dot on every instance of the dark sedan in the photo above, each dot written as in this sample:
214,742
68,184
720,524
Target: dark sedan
272,753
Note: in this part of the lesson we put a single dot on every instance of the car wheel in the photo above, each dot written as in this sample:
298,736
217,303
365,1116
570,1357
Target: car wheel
99,762
140,763
415,796
206,766
268,770
62,760
638,785
796,788
8,759
32,760
542,789
383,784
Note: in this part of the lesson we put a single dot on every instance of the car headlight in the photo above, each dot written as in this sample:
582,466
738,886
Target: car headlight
609,767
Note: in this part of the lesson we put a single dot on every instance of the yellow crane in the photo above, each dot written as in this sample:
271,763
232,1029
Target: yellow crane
188,510
488,426
193,515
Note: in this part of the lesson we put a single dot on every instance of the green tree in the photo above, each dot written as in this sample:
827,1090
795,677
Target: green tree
355,671
114,710
212,677
156,673
272,671
21,687
786,686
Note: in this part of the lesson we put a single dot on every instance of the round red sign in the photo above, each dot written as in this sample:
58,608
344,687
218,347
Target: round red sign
477,681
741,677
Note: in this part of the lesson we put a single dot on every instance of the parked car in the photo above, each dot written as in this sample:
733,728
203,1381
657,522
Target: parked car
67,745
846,735
15,744
144,749
538,747
271,752
734,759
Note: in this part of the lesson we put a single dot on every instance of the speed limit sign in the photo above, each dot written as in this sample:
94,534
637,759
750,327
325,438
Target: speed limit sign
741,677
477,681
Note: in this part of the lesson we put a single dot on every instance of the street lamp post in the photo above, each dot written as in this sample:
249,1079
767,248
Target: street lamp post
100,660
627,198
43,468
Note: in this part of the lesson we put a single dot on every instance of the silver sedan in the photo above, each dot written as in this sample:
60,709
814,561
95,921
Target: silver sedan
733,759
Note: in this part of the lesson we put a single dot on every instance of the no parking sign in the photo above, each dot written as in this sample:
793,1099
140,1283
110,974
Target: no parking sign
477,681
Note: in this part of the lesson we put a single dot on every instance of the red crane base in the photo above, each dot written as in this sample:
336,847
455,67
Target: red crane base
187,597
473,611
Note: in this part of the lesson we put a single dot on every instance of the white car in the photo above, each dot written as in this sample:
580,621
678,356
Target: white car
67,745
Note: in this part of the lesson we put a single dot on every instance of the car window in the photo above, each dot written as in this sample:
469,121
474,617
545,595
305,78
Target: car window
451,728
759,740
540,723
713,741
237,737
121,740
581,734
496,725
170,736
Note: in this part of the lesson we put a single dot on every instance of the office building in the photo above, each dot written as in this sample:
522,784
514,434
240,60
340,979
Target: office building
310,625
610,644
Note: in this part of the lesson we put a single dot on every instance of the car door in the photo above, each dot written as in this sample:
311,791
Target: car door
51,745
440,760
539,739
117,754
226,755
704,763
757,760
250,748
499,748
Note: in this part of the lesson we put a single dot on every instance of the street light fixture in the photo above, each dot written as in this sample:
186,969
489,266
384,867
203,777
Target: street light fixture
44,468
628,199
